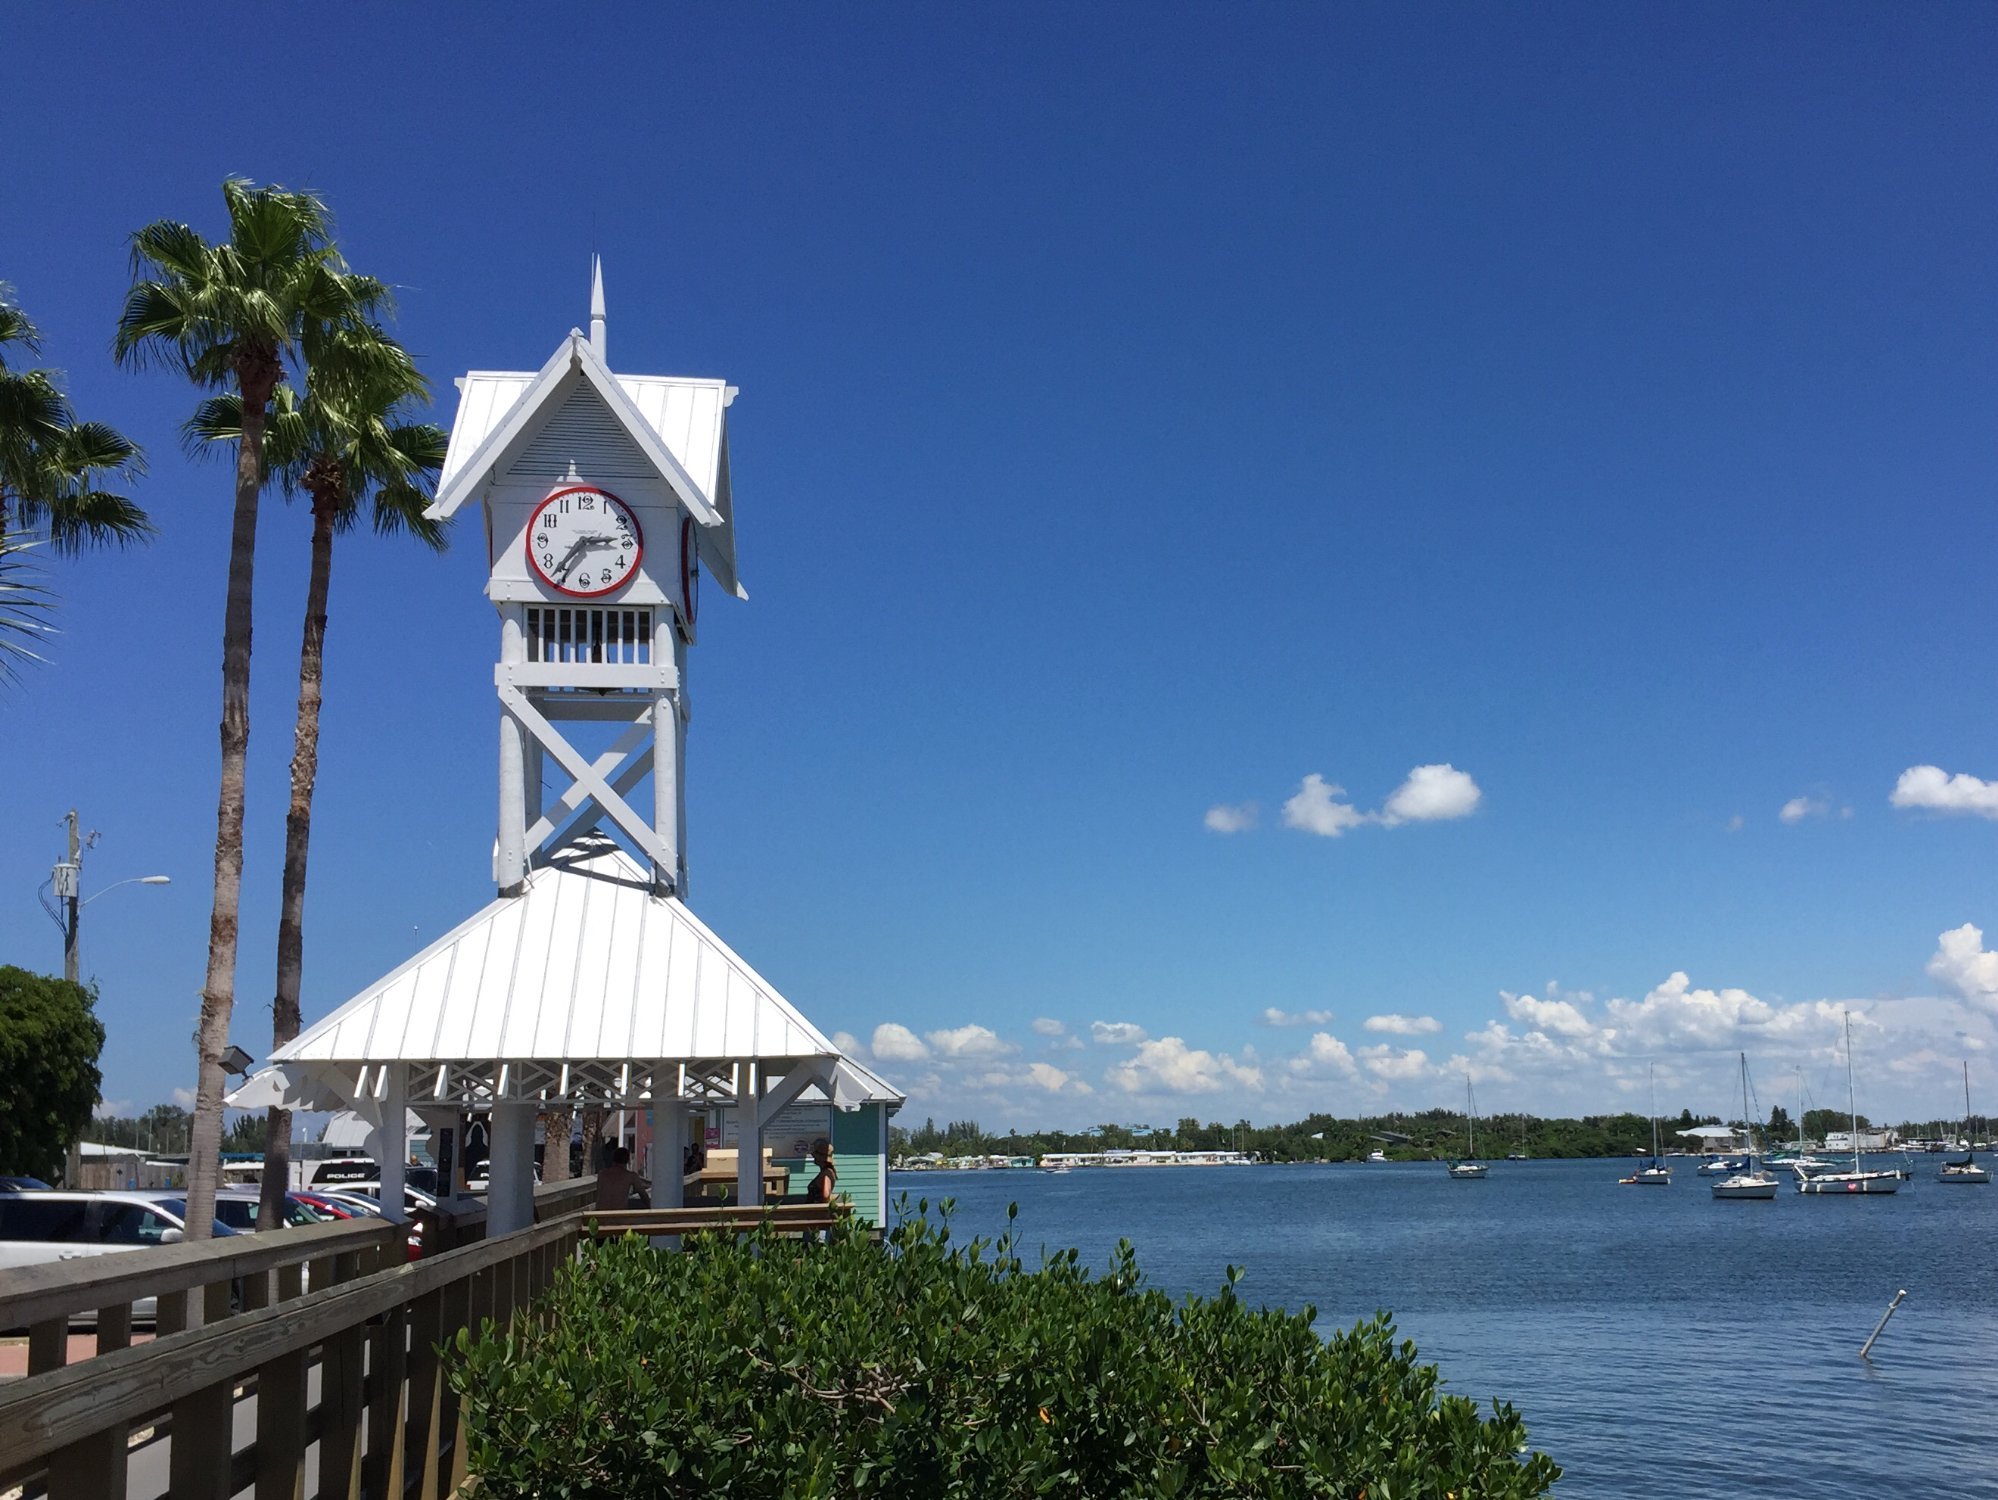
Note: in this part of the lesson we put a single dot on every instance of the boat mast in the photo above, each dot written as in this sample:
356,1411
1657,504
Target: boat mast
1969,1136
1651,1072
1747,1125
1851,1091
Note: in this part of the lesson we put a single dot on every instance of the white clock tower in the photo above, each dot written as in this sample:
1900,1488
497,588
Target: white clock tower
605,498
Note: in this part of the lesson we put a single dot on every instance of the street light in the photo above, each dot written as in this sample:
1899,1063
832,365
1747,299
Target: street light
65,882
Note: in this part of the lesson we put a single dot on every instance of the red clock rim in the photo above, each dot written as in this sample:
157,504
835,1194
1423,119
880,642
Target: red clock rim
638,531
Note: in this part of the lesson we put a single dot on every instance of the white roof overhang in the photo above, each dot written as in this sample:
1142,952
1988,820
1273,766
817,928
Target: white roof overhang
576,360
586,986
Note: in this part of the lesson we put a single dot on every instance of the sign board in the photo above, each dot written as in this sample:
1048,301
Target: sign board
789,1135
796,1127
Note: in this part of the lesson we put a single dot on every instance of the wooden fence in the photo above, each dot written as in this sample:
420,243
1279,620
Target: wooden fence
336,1305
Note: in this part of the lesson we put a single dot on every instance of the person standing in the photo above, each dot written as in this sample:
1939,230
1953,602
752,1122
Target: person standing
826,1184
617,1184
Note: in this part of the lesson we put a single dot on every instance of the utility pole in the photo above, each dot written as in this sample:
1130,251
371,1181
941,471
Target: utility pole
67,878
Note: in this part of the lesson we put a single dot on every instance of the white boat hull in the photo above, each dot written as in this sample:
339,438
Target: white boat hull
1468,1171
1846,1184
1972,1174
1756,1186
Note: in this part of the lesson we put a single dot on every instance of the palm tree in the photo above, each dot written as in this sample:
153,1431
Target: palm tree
344,444
235,311
52,471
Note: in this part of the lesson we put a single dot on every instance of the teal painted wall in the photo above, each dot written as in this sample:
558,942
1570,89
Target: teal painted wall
856,1143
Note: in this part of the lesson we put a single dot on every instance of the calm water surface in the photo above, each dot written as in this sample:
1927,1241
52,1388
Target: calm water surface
1658,1343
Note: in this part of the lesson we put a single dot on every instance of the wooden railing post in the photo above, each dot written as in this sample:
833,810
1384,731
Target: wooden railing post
388,1365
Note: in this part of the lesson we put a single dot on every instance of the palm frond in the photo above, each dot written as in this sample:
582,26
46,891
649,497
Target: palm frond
15,325
25,603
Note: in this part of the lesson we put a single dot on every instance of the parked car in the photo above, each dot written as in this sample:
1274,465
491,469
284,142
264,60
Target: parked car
237,1207
43,1225
23,1185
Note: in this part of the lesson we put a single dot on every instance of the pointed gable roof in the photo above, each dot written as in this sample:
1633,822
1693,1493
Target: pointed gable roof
586,965
501,412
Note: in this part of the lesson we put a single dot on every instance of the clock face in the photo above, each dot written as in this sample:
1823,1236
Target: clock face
584,541
690,571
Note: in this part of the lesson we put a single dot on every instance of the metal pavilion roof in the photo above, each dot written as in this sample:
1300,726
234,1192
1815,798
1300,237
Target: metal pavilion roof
586,985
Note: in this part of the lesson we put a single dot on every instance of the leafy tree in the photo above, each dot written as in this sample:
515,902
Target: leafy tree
49,1041
248,1133
345,444
54,470
1781,1127
233,313
767,1367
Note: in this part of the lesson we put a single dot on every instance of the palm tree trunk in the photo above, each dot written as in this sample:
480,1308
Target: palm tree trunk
555,1144
326,504
593,1134
257,374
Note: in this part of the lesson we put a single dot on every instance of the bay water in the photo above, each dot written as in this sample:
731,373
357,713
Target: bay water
1659,1343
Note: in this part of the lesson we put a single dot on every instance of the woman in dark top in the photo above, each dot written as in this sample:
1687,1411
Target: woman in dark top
827,1182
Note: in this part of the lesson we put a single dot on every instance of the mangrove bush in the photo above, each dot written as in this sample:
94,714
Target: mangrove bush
763,1368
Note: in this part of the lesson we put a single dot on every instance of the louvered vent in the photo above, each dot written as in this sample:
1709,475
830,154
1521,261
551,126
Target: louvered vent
584,433
603,637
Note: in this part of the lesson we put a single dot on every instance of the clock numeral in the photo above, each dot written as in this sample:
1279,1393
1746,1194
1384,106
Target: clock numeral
623,562
586,502
549,523
606,578
629,544
547,559
565,505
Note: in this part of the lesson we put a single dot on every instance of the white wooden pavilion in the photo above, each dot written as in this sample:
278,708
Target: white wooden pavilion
588,982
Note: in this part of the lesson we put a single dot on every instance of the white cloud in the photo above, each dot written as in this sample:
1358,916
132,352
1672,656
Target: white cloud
1116,1033
184,1098
1396,1024
1554,1015
1736,823
968,1041
1935,789
894,1042
1799,808
850,1044
1432,794
1963,963
1054,1081
1049,1026
1388,1062
1169,1066
1316,808
113,1109
1222,818
1271,1016
1325,1053
1429,794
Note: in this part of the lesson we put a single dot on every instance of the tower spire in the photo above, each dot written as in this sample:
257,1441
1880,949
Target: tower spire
598,339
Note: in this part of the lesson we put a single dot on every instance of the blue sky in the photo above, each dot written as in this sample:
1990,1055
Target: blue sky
1144,409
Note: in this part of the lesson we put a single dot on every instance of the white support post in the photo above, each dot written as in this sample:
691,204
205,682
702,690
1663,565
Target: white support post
666,790
510,1171
510,855
748,1139
392,1148
682,711
669,1153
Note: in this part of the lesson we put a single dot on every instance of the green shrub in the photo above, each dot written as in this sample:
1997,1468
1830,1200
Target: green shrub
769,1368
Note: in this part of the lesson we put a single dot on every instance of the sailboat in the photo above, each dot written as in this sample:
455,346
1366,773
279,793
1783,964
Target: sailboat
1858,1180
1520,1154
1747,1183
1966,1170
1653,1173
1470,1169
